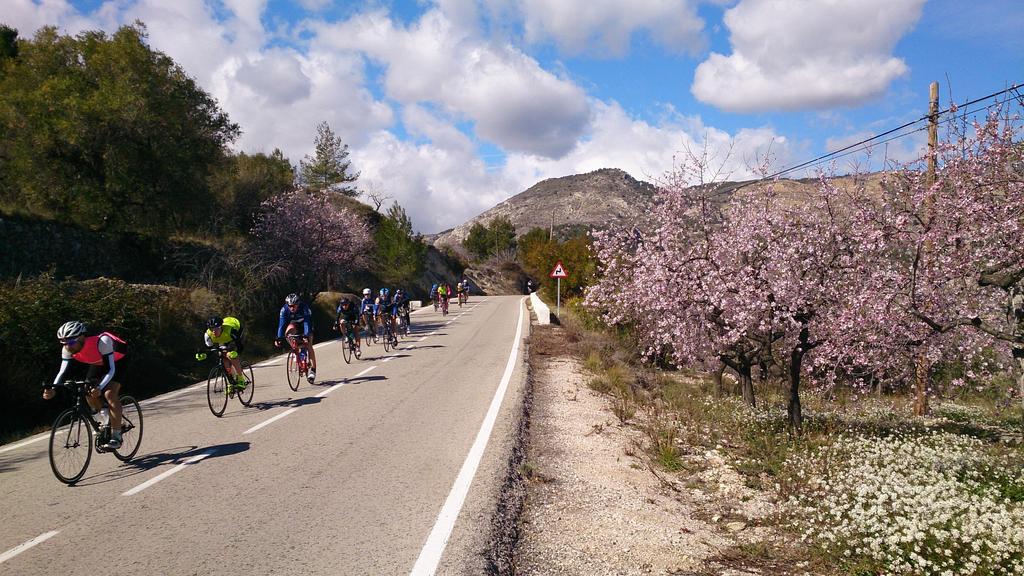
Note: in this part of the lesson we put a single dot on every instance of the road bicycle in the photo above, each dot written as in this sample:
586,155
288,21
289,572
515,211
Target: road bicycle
349,347
369,327
71,438
220,386
463,298
403,323
298,360
444,306
437,301
386,333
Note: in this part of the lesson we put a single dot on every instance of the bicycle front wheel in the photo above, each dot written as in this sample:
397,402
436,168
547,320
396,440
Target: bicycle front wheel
131,429
245,396
346,349
217,391
70,446
293,371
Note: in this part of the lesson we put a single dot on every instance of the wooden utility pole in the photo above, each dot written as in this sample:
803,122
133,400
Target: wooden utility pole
923,367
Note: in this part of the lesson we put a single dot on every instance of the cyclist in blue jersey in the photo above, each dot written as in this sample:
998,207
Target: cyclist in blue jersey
400,306
382,307
366,312
297,318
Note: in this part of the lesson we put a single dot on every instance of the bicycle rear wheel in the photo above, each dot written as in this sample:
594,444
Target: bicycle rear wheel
131,429
70,446
217,391
293,371
245,396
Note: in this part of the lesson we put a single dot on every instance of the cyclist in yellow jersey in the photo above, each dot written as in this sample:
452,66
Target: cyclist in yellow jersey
226,332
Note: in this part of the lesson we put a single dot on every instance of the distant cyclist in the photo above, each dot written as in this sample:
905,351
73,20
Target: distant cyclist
226,332
382,308
366,311
400,306
297,318
99,356
347,320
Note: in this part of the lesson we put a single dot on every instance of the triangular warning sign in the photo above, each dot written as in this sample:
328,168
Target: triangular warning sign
559,271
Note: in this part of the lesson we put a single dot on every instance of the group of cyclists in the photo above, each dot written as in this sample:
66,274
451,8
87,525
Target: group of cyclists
441,293
100,356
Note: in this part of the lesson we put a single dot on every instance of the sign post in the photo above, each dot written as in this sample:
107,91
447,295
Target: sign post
559,273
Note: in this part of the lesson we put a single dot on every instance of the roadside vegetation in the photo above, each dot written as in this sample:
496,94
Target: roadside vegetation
857,354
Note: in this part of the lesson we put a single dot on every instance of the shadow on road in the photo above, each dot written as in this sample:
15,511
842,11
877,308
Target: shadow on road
172,456
288,402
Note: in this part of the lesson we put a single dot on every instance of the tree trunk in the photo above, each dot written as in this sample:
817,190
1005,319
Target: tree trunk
717,377
921,386
1018,355
795,415
747,384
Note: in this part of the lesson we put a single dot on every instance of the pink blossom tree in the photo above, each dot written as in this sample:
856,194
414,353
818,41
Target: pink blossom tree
313,238
859,282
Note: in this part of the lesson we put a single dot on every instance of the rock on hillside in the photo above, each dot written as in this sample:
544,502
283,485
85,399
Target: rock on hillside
579,201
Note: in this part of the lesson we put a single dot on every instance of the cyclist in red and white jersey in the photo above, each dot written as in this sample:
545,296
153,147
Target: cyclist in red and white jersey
99,354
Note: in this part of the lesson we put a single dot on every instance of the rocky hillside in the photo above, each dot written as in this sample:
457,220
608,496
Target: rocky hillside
579,201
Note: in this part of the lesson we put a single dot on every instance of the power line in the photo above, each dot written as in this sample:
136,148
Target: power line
846,150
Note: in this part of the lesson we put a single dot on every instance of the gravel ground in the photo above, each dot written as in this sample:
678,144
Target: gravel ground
594,506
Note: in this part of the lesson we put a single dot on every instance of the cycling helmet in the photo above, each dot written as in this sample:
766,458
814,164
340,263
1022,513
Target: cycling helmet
383,291
366,291
214,322
345,301
70,329
291,299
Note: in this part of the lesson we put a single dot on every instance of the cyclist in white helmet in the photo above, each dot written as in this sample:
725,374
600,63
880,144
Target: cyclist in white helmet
100,353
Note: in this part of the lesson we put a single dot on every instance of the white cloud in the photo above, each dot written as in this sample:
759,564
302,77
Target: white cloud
793,54
277,76
512,100
606,26
646,150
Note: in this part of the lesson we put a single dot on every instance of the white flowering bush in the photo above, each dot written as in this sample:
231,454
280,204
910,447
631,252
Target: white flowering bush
938,504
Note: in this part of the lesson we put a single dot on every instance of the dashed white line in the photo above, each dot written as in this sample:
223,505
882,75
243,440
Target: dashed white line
166,474
22,547
270,421
340,384
430,555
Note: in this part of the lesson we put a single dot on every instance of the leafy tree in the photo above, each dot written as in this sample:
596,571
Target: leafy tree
312,238
502,235
8,43
478,241
243,182
329,170
400,254
105,132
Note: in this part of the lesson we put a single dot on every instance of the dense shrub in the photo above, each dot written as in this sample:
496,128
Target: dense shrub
157,321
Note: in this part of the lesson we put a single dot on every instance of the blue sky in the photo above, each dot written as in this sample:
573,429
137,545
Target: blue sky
450,106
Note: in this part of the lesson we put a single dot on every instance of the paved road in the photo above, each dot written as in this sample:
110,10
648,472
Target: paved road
368,472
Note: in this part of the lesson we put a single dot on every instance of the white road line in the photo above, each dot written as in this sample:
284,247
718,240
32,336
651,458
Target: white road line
164,475
268,422
171,395
22,547
437,541
340,384
25,443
